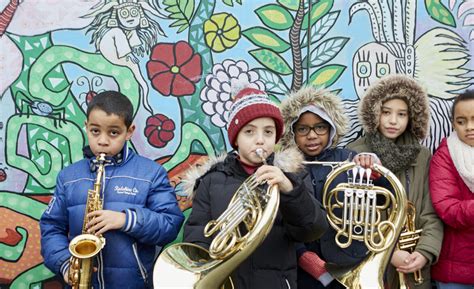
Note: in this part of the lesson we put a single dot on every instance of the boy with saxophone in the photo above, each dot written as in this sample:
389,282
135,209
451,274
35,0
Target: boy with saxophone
254,126
139,205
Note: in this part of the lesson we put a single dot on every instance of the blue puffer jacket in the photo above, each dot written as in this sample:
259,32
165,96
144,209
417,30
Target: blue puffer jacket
134,185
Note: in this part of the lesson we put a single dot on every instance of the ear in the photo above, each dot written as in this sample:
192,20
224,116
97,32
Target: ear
130,131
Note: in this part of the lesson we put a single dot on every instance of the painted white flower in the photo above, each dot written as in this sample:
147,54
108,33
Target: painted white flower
217,94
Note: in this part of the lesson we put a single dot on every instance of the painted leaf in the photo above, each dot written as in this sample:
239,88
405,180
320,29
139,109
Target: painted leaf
322,26
265,38
180,10
289,4
327,75
275,17
273,82
271,60
439,12
317,12
325,51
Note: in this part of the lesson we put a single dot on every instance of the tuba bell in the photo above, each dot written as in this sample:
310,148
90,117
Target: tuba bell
186,265
360,211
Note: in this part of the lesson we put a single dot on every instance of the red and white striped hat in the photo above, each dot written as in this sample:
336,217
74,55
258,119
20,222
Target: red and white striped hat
249,104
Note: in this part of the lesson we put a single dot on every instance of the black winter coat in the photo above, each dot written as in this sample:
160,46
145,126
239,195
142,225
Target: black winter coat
272,265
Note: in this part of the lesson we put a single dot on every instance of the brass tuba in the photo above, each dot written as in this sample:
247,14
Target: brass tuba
85,246
187,265
360,211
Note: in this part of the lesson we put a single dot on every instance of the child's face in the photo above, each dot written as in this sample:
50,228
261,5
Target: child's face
464,121
311,134
107,133
259,133
393,118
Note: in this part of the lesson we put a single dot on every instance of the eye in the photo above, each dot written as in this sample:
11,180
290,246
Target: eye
461,122
248,131
302,129
124,13
114,133
94,131
364,69
382,69
269,132
134,12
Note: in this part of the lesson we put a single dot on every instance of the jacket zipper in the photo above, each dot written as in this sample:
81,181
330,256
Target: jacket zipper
140,265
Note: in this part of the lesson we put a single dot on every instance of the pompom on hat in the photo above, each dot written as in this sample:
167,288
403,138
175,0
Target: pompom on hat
249,104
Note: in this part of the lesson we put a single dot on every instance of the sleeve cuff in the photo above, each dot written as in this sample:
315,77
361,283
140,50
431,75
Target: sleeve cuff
130,220
64,267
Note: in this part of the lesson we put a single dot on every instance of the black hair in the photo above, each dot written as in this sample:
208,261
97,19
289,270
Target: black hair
113,102
467,95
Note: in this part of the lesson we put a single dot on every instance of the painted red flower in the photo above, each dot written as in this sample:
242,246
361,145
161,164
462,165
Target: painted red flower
174,68
159,130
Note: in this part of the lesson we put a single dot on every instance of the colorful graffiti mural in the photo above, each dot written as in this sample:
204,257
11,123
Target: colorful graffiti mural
177,60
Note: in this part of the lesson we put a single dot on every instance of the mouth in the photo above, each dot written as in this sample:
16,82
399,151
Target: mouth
313,147
391,130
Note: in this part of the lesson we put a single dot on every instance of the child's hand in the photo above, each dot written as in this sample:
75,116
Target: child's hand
399,257
415,261
274,176
366,160
105,220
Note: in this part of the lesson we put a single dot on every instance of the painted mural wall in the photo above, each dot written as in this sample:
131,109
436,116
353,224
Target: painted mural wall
177,60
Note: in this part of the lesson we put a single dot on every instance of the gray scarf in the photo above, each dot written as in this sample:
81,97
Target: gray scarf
395,155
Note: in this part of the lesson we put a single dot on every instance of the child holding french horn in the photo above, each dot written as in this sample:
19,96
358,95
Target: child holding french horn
395,116
254,126
315,121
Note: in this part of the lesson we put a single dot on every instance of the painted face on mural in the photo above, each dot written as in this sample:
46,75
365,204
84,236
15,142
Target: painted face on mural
393,118
107,133
371,62
129,16
463,121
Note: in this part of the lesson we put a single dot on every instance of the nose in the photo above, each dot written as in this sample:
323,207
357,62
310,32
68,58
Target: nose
312,134
260,138
393,118
103,140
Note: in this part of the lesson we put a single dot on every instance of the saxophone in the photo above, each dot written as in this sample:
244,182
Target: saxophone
186,265
86,246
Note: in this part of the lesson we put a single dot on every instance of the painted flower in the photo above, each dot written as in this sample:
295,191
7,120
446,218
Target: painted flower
174,68
221,31
217,94
159,130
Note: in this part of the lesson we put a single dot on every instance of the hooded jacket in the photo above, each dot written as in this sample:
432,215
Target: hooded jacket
415,177
325,247
300,218
135,185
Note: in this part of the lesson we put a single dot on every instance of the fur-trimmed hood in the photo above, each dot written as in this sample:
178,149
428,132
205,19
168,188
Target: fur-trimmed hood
396,86
309,95
289,160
